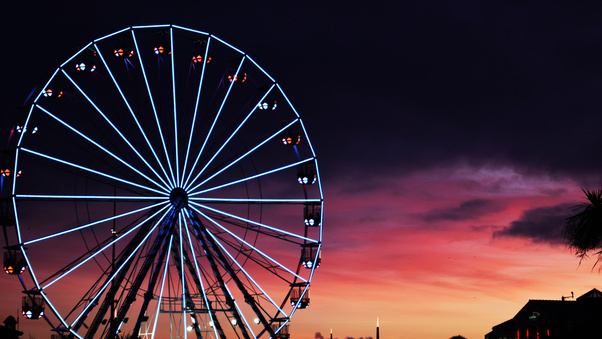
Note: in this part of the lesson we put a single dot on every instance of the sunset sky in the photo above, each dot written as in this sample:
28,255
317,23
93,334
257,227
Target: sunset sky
453,139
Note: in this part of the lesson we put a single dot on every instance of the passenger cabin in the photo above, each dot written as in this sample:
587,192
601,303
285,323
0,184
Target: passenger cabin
14,262
267,105
300,296
310,256
33,306
284,332
312,214
306,175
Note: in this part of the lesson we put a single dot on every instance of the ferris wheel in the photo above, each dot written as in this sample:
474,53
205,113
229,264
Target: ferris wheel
167,187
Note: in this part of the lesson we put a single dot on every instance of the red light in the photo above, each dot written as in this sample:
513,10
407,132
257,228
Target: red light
235,77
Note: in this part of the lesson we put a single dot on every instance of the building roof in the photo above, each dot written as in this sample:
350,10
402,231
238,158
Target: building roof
567,317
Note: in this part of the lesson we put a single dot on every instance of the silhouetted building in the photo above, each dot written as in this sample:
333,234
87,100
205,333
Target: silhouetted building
9,330
555,319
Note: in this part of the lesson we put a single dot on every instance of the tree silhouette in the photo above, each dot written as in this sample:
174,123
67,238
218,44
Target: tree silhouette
582,231
458,337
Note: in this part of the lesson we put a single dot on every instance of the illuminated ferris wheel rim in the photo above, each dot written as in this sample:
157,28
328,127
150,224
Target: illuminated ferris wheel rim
172,188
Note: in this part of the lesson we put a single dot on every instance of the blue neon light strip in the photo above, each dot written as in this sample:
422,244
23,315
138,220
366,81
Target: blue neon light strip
93,223
275,229
150,26
251,177
231,135
132,111
175,109
55,311
152,101
227,44
198,270
313,267
196,111
115,127
92,171
243,156
105,247
190,30
247,274
160,296
17,223
112,34
74,55
219,111
182,274
97,145
255,200
90,197
93,300
18,148
247,244
261,69
44,88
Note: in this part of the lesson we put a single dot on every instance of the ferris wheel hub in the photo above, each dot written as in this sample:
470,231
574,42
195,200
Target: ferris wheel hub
178,198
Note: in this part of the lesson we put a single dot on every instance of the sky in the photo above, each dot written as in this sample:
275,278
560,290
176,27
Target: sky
453,139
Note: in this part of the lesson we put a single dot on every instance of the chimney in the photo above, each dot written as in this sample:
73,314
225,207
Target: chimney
377,326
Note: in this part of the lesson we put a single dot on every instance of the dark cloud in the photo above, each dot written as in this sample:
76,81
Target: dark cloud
429,83
319,335
468,210
542,224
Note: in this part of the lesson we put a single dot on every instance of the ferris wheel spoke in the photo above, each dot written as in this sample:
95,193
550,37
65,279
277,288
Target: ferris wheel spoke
212,253
95,251
73,129
248,245
88,197
150,255
196,274
183,263
200,286
159,129
219,281
255,201
242,156
113,125
282,233
175,109
251,177
49,157
79,228
138,241
240,267
170,185
162,289
209,134
195,112
232,135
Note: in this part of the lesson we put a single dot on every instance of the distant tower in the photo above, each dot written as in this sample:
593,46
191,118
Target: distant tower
377,334
331,333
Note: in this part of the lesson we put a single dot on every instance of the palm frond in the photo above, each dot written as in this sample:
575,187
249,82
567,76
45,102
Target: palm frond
582,232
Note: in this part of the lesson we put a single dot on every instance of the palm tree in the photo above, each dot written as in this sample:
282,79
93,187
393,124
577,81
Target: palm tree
582,232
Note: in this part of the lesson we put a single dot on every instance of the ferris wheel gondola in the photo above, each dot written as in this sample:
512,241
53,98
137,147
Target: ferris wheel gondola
162,198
